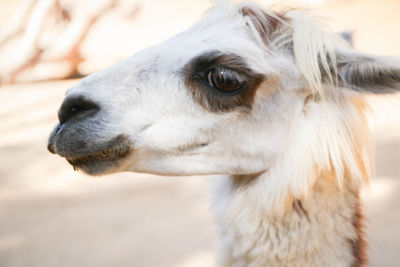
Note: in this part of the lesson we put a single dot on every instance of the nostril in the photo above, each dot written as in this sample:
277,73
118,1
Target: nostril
74,107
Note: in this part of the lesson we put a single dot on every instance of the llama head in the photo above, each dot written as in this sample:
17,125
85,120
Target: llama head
240,92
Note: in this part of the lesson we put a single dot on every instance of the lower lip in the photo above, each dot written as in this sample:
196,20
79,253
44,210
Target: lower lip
98,163
93,166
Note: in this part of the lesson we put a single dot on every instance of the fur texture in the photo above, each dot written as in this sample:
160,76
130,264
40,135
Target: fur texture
315,230
292,141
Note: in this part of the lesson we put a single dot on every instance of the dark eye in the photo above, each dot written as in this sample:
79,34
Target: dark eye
224,80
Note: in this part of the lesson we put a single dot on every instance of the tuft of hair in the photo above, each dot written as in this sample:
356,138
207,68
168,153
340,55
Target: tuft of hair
262,23
314,51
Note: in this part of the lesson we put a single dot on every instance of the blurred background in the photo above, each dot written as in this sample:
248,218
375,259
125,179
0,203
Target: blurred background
53,216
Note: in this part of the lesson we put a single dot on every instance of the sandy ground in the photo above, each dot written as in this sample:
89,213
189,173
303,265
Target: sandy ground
53,216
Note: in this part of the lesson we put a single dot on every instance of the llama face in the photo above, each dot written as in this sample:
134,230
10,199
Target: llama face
196,104
228,96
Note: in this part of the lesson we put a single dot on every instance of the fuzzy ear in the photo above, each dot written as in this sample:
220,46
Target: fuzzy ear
369,74
348,36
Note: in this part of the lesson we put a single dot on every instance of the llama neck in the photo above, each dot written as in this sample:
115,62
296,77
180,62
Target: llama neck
322,229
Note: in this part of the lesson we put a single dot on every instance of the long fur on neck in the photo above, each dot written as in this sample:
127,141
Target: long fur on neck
322,229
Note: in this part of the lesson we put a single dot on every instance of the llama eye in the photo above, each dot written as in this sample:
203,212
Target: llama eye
224,80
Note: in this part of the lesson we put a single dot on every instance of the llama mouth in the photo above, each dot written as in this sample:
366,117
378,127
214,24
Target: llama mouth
103,160
104,155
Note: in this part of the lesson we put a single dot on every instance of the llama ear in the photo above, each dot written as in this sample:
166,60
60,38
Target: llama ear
368,74
348,36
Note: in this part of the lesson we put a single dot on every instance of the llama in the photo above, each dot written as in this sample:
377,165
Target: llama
267,100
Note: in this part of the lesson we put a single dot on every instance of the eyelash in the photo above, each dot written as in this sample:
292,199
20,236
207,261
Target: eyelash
223,80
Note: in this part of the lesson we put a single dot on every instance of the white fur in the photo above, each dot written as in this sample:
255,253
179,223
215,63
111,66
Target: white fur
250,236
300,127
